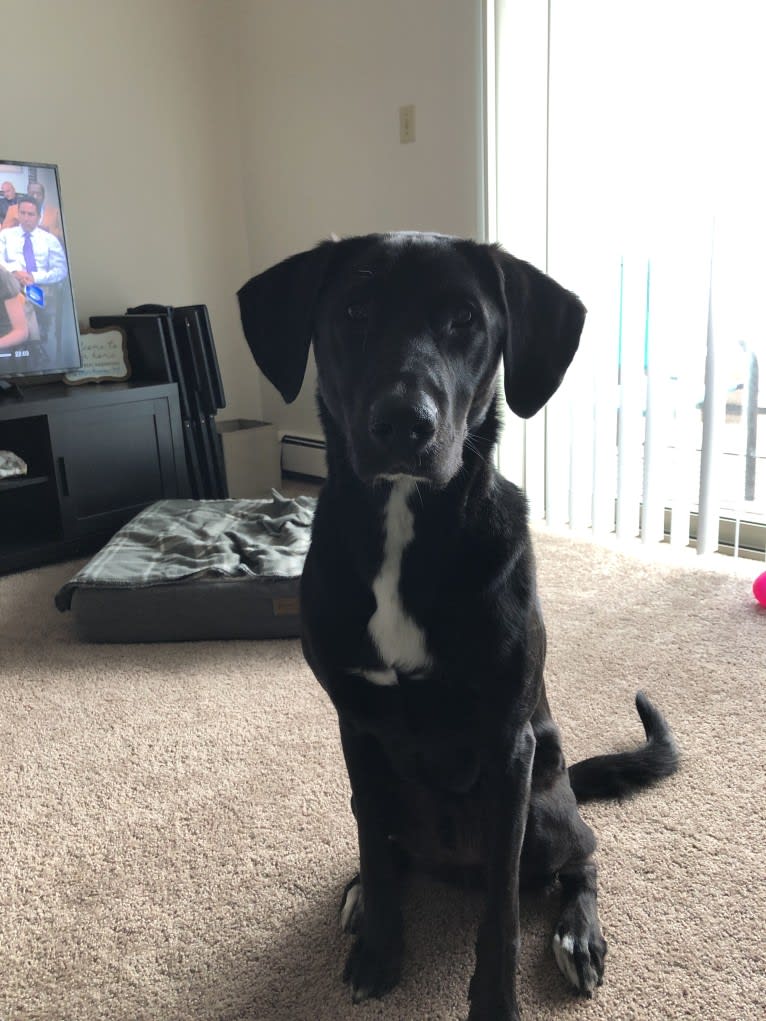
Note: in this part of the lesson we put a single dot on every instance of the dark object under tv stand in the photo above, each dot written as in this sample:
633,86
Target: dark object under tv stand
8,389
96,455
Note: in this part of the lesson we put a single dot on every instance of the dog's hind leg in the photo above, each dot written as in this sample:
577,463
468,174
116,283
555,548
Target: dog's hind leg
352,906
578,943
558,843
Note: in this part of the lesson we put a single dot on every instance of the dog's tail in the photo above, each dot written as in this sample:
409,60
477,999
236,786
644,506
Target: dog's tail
614,776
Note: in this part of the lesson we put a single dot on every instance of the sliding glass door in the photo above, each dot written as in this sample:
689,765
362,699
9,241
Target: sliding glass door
630,163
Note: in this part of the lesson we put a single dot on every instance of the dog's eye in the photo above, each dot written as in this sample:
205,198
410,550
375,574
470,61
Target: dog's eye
462,316
357,310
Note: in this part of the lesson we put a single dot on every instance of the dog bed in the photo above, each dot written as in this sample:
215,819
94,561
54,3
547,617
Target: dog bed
184,570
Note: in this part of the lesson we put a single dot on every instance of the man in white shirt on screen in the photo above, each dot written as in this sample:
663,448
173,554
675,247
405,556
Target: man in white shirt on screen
47,262
36,257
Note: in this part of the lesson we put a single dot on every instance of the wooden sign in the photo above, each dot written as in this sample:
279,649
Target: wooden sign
104,357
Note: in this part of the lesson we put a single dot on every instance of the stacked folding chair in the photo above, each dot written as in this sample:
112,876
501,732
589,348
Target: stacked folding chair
168,344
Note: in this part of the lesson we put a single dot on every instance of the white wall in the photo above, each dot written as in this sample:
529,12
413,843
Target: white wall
321,83
199,141
135,102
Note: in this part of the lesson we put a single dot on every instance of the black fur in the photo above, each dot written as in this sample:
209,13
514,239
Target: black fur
456,762
613,776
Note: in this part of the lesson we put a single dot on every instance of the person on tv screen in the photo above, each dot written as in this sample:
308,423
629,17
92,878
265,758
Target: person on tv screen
36,257
13,321
50,216
9,205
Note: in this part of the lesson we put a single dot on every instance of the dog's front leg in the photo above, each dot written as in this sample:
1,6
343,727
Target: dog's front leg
374,963
505,804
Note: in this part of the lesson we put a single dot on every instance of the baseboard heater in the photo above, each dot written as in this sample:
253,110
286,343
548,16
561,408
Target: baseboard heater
303,457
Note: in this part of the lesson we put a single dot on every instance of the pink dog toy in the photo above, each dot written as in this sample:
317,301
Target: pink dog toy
759,588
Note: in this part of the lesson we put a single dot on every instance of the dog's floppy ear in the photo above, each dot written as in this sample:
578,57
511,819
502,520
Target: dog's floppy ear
544,326
277,312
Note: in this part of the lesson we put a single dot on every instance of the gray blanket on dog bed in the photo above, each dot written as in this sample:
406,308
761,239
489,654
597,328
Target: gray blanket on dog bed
177,540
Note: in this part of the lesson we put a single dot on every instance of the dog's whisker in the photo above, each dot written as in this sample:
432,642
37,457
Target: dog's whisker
471,445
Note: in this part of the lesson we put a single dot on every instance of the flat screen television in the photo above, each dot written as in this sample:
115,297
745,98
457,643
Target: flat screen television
39,334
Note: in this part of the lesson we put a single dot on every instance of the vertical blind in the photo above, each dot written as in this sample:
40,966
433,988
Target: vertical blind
624,158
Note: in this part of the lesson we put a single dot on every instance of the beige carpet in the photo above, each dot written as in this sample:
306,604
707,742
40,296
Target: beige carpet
175,831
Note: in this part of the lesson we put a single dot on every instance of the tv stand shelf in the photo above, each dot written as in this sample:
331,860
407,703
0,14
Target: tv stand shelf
96,455
21,481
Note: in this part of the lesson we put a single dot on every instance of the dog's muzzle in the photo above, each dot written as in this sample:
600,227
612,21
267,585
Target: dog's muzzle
401,428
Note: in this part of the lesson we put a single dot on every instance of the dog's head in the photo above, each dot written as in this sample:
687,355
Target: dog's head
408,333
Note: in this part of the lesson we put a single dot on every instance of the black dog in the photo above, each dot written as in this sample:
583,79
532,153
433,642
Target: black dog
420,614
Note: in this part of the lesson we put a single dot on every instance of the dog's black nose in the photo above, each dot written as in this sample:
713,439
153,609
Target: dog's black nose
402,426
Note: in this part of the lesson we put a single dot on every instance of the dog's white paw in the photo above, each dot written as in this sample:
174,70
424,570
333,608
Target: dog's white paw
352,906
580,959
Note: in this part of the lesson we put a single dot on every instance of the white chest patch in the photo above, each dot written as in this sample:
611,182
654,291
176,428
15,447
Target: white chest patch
398,638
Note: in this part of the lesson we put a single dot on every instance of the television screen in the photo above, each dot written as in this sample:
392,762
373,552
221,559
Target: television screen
38,324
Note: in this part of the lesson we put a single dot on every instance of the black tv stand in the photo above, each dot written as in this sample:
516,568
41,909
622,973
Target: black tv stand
96,455
8,389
